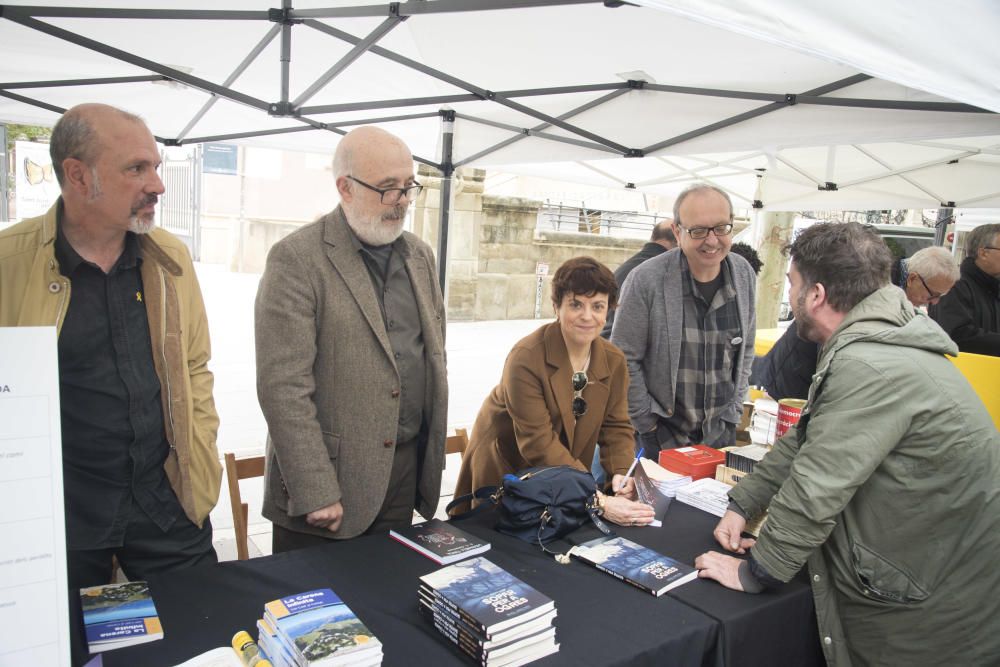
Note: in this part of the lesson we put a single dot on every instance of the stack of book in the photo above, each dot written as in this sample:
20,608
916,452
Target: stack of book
488,614
119,615
707,494
316,628
743,459
440,541
633,563
666,481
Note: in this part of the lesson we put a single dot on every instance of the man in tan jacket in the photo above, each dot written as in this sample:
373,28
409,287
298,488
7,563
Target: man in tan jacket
140,467
350,359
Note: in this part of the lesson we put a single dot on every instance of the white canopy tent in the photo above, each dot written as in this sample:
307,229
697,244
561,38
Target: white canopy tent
787,104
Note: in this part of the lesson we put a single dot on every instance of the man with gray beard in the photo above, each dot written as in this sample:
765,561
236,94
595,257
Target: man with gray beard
140,467
350,359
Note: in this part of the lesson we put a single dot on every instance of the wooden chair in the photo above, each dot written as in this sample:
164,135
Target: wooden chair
237,469
457,444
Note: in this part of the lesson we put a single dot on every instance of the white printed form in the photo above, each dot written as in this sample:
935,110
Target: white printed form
34,603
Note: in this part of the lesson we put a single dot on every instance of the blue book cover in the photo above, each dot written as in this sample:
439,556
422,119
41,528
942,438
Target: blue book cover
118,615
319,625
633,563
486,596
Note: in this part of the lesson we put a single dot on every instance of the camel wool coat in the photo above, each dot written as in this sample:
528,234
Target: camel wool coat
527,420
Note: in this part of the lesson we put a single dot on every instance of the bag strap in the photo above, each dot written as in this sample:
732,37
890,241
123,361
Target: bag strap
482,493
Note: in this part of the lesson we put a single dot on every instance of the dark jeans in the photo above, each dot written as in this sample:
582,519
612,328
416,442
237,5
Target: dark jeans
396,511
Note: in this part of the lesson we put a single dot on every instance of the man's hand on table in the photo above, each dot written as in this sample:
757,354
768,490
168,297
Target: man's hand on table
720,567
728,533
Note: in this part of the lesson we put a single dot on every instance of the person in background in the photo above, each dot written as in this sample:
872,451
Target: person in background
787,369
140,467
970,313
888,489
661,240
563,390
749,254
351,375
686,325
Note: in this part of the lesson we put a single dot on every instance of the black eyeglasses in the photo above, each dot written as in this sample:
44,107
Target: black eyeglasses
990,247
391,196
702,232
580,383
934,295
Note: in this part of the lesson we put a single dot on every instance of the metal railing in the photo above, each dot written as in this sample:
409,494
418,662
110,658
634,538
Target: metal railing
568,217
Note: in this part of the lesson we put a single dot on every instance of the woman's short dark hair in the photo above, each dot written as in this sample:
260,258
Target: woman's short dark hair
584,276
850,260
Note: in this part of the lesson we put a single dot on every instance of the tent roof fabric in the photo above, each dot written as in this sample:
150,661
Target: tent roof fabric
789,106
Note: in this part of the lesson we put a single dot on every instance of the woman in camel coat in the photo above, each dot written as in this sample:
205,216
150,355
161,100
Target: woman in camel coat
564,389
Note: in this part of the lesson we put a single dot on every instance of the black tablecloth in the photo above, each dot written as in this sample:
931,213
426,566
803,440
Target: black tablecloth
600,620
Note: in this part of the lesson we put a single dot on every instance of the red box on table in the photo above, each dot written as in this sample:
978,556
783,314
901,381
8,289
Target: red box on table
699,461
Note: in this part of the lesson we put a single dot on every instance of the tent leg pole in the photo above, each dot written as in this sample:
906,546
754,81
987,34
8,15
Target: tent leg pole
447,169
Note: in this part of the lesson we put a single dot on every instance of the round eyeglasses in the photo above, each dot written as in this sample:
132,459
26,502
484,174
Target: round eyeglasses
391,196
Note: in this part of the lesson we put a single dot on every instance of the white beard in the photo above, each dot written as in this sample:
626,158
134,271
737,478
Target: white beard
378,230
139,225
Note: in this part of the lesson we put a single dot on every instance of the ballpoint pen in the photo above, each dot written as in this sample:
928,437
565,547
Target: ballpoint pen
631,469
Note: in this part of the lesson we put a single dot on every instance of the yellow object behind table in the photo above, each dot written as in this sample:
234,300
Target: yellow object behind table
982,371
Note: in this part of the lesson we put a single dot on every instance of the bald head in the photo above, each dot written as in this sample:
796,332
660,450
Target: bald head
363,145
82,133
375,181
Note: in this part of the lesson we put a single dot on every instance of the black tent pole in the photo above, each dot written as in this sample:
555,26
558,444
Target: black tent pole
447,169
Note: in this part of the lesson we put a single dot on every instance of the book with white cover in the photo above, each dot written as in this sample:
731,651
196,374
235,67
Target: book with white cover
708,495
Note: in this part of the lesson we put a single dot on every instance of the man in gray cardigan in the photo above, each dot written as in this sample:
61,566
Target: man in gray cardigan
686,323
350,359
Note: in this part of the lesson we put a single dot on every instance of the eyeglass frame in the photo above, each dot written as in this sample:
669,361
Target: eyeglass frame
580,382
989,247
933,295
700,233
383,192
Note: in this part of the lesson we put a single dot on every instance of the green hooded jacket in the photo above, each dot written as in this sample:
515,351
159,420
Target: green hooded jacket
889,490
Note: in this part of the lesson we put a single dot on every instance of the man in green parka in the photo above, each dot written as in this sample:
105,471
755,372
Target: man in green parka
889,488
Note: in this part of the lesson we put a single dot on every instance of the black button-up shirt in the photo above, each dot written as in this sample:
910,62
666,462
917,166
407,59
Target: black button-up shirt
401,316
113,438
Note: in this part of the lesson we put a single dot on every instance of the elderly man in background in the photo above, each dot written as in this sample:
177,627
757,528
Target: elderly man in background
787,369
350,359
686,323
140,468
889,487
970,313
661,240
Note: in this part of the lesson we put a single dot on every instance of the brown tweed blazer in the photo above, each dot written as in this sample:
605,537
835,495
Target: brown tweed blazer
327,382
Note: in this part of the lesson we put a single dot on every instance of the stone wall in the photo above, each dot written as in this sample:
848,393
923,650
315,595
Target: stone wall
494,250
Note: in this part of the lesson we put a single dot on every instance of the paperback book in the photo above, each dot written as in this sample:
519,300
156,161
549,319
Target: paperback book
535,639
319,629
745,458
440,541
635,564
650,494
486,597
708,495
444,618
118,615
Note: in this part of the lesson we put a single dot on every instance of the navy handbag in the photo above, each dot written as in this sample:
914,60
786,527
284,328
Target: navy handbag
539,505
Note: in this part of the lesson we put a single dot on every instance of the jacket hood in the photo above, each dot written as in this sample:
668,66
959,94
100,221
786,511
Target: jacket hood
887,316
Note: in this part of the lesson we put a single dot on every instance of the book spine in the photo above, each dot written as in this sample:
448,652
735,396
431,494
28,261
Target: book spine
454,626
457,637
463,614
627,580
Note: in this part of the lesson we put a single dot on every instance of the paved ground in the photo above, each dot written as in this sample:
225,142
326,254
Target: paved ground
476,352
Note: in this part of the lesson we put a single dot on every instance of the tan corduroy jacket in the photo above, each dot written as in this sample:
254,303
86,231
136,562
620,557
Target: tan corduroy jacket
34,293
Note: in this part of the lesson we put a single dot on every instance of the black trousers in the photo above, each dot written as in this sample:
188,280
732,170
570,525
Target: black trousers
145,550
396,511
